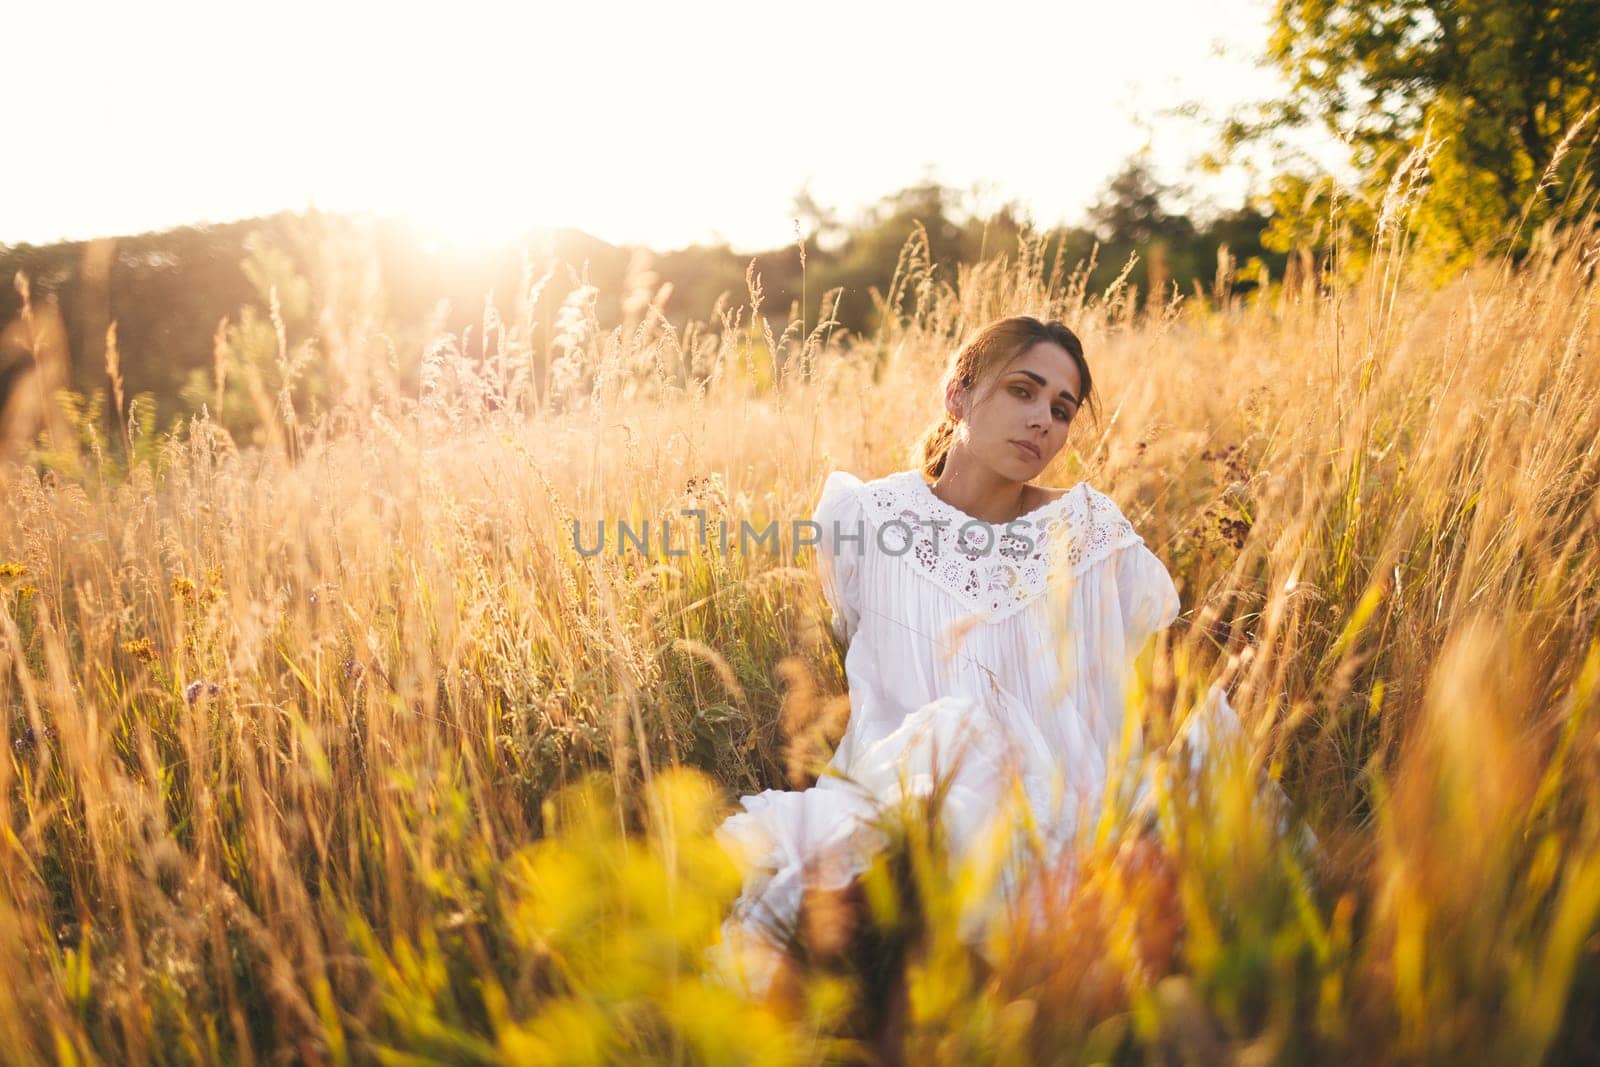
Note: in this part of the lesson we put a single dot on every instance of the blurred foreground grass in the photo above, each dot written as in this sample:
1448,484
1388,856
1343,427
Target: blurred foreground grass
335,750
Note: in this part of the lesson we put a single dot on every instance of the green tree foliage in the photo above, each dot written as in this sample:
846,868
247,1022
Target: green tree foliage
1502,92
1134,216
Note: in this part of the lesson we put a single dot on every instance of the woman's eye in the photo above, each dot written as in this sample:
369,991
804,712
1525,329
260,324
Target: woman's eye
1061,414
1018,390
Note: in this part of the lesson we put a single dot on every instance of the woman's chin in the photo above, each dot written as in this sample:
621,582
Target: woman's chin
1013,464
1027,466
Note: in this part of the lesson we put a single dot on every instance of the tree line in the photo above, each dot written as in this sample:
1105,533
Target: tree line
186,299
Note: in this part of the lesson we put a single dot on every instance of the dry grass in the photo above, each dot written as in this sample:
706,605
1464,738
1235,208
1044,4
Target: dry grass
288,721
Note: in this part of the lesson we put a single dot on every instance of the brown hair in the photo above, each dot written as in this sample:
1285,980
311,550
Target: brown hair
983,357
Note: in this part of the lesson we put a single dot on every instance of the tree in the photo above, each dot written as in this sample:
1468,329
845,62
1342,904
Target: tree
1134,214
1507,89
1132,208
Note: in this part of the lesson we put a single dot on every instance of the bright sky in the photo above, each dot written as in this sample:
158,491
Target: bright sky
658,123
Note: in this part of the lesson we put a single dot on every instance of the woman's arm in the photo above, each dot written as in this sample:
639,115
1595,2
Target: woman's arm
1147,595
840,517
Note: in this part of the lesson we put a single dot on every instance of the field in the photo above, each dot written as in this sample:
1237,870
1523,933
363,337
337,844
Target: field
332,749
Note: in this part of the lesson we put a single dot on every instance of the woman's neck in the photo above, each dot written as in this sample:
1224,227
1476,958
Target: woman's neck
982,493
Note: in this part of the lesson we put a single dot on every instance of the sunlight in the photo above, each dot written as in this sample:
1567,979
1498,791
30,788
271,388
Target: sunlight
467,225
623,123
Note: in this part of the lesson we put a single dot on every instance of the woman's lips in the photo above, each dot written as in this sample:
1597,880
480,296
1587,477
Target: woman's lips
1028,449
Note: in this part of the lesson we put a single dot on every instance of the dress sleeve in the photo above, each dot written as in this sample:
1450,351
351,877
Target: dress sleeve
1148,598
839,554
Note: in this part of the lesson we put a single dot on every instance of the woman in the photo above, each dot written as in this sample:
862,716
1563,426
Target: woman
961,650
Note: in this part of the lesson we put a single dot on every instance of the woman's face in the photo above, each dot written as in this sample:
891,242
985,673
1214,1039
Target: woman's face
1019,421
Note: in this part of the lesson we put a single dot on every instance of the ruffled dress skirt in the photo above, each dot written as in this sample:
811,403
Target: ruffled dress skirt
792,841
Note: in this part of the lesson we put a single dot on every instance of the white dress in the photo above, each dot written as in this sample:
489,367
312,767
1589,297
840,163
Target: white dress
1007,642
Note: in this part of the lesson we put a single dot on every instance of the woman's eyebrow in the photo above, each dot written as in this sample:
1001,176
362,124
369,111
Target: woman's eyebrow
1040,380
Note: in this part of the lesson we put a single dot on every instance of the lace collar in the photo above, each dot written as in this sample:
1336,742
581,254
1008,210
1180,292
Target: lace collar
996,569
957,518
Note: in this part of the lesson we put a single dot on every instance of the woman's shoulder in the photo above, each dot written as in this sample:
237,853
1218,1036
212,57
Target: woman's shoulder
1102,507
1081,493
892,478
1061,503
1101,526
839,480
840,495
840,484
1045,495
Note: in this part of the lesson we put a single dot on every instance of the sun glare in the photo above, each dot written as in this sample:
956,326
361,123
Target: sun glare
467,225
618,122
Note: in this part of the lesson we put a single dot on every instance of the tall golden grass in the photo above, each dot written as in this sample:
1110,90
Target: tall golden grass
332,749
